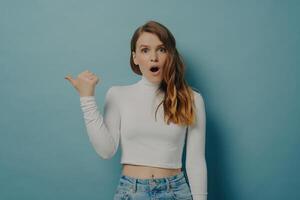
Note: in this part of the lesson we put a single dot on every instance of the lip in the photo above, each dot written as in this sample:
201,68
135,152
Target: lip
154,66
157,72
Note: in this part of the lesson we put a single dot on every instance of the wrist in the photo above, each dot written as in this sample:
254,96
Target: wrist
86,95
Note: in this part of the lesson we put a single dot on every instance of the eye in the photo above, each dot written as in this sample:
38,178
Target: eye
163,49
143,50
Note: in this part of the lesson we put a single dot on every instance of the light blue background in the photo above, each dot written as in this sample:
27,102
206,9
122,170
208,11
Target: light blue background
242,55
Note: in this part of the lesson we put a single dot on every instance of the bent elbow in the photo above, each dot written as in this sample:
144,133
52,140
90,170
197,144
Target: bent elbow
106,156
106,153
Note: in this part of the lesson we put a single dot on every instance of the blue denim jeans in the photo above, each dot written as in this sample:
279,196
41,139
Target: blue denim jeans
167,188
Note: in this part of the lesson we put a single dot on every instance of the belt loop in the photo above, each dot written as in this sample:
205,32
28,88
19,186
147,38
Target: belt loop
168,184
135,185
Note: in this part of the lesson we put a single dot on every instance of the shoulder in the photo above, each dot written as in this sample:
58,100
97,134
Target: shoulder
113,91
119,91
199,101
198,97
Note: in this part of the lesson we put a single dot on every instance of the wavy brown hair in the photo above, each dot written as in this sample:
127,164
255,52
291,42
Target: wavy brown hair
178,102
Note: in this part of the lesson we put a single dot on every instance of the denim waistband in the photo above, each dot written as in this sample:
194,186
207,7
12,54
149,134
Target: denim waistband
167,179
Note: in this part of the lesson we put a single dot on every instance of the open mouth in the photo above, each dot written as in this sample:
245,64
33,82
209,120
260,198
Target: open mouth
154,69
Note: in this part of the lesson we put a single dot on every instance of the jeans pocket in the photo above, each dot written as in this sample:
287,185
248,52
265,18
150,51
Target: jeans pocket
181,192
122,192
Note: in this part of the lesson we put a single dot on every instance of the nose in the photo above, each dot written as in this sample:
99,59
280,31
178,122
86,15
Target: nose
154,57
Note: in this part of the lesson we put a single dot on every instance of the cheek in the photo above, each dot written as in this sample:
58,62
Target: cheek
142,68
163,58
142,65
143,60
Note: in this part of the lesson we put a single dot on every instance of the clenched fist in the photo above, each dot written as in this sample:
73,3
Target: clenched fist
85,83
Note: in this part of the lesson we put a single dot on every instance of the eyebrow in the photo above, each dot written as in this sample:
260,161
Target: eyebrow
144,45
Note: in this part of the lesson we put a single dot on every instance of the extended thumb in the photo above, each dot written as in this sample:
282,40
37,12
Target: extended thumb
69,78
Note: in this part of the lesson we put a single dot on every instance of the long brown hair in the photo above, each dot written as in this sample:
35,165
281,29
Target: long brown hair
178,102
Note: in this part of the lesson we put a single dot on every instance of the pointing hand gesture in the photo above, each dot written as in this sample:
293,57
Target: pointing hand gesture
85,83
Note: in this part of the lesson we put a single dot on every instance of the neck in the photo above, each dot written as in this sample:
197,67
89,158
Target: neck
146,82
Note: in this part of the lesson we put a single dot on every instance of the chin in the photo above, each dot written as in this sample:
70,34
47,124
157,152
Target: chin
155,79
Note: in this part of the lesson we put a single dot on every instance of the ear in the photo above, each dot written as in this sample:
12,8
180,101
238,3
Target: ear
134,58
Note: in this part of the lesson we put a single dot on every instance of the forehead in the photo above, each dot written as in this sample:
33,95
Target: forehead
149,39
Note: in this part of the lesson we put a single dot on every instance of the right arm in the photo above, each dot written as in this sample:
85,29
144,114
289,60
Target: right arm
103,130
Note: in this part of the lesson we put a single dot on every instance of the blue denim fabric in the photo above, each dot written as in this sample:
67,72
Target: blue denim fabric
167,188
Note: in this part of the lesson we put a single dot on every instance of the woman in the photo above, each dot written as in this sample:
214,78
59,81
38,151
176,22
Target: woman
150,120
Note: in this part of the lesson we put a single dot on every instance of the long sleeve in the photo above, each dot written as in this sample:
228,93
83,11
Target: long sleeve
103,131
196,168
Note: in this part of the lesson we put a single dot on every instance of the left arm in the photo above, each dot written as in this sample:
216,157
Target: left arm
195,152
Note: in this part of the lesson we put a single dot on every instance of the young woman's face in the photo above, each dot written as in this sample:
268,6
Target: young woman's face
150,52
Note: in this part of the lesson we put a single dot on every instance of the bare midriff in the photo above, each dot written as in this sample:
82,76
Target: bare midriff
147,172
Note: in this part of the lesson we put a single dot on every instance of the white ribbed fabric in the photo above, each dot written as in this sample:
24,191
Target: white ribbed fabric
128,120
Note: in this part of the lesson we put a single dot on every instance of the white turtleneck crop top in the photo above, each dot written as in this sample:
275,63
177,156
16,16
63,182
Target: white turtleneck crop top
129,120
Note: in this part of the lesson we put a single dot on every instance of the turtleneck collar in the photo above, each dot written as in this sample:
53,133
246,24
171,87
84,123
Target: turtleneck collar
146,82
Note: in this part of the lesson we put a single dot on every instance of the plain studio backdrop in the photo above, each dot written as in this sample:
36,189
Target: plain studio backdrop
243,56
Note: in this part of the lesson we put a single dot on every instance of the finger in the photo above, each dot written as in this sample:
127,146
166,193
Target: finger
91,75
88,72
70,79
